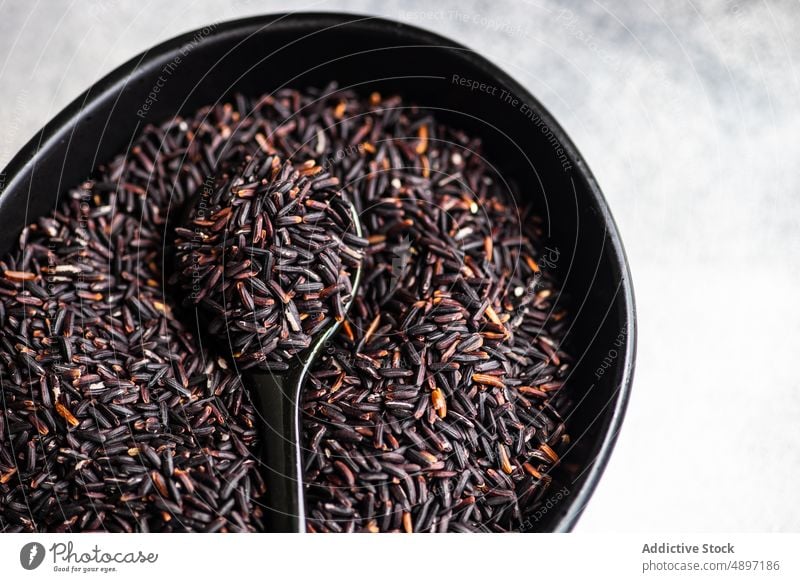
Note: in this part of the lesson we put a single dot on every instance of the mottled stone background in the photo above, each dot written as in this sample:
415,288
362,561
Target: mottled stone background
688,115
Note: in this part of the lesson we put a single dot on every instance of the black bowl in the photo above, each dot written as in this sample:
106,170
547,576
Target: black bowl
261,54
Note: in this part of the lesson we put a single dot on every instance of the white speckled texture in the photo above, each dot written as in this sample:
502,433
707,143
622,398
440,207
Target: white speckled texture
688,115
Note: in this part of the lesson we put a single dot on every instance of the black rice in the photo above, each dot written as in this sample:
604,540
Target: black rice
113,418
263,256
441,395
438,406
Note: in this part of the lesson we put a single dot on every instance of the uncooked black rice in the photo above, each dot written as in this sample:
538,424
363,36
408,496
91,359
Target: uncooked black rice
437,407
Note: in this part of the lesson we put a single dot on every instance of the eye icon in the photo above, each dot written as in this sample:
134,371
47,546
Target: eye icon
31,555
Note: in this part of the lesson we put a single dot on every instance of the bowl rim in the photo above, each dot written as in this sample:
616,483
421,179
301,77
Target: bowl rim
23,164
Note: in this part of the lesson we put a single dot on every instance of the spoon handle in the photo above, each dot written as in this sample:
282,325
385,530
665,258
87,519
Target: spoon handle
277,401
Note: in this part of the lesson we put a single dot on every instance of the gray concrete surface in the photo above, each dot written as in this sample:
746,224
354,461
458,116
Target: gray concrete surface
688,114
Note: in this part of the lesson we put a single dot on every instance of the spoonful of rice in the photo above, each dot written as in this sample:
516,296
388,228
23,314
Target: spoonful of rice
269,256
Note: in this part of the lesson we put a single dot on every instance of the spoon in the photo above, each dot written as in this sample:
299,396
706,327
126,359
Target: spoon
249,245
277,399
